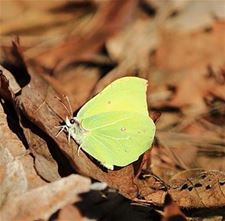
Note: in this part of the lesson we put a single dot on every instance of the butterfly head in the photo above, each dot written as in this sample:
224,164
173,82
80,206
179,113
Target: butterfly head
71,122
68,124
74,129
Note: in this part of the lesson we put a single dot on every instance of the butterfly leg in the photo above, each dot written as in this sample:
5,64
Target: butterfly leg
78,152
62,128
69,135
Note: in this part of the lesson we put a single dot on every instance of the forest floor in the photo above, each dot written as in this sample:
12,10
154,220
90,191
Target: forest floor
53,50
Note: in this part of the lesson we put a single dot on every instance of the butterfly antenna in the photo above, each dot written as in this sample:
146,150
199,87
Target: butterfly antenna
70,107
69,110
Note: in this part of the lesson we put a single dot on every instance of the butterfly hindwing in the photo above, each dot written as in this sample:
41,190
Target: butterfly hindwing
117,138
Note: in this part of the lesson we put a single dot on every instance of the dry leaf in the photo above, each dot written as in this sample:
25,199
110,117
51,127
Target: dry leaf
93,36
13,178
16,153
199,189
171,211
70,213
48,199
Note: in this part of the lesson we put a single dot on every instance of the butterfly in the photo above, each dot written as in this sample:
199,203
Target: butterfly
114,127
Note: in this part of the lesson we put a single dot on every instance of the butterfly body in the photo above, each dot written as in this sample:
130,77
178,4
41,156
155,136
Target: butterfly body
114,127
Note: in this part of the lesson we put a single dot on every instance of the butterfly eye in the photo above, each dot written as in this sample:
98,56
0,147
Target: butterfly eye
72,121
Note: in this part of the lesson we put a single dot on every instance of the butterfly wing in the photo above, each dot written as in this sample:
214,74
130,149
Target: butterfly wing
124,94
117,138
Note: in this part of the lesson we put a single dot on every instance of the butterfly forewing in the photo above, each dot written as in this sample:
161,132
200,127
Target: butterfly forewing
124,94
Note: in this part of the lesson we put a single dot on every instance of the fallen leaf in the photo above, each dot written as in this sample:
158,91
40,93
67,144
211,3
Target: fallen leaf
48,199
70,213
13,178
171,210
92,37
18,158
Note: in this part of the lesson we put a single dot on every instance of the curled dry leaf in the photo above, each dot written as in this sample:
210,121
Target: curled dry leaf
8,81
15,152
42,202
13,85
44,163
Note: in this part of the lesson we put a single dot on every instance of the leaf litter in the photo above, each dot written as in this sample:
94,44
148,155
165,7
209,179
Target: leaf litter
76,49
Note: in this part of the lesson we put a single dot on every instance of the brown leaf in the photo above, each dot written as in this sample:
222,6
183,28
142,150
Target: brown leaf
16,153
13,177
48,199
46,168
127,49
205,13
190,150
5,78
196,192
137,40
110,18
171,210
199,189
18,8
70,213
13,85
44,163
70,80
174,54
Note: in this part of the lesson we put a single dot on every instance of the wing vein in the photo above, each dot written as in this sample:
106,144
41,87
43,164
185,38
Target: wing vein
106,125
113,138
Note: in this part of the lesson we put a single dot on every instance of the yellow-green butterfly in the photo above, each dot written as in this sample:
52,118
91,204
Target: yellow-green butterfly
114,126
